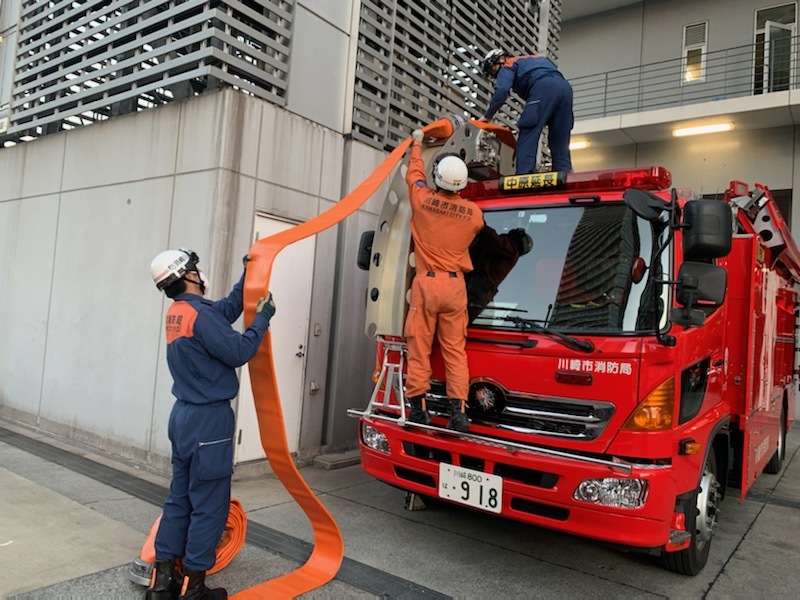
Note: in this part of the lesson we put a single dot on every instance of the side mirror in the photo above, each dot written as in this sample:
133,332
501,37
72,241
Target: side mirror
644,204
365,250
707,229
699,284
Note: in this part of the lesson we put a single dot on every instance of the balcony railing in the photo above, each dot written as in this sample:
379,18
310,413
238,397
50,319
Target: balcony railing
732,73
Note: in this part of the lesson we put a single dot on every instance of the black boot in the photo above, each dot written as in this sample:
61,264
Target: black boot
458,420
194,587
164,584
419,414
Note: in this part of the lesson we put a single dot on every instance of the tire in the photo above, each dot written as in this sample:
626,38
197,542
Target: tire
776,462
701,521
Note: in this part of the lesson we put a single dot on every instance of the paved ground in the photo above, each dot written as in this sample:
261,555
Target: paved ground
72,521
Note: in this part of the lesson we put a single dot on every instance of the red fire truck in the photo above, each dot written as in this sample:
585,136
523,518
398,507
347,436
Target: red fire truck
625,372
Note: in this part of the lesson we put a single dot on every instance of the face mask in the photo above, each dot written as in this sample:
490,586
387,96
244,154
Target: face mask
204,282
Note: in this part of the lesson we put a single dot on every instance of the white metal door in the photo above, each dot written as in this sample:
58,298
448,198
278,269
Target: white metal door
290,284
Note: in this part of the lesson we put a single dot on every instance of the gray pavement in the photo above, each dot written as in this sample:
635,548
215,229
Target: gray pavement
72,520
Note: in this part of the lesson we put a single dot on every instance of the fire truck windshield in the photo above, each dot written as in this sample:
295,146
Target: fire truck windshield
589,269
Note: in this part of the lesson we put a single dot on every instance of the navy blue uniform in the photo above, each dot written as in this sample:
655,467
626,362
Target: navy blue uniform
203,351
548,101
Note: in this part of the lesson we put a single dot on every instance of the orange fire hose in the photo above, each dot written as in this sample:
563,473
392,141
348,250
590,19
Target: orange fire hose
232,538
326,558
504,134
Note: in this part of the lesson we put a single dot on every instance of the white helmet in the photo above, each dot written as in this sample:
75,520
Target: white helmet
450,173
172,265
491,59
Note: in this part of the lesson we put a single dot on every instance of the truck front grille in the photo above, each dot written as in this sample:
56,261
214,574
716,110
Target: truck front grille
491,405
533,477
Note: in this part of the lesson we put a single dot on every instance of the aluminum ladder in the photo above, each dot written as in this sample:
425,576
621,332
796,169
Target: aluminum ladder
394,360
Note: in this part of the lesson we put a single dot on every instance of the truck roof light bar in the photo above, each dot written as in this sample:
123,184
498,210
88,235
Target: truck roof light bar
644,178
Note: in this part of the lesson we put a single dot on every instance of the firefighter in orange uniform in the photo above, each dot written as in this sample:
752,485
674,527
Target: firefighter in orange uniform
443,226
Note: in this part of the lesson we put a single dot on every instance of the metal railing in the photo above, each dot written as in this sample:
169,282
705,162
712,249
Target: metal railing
732,73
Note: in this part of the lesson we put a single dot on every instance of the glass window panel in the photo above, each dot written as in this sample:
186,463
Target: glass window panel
780,14
694,65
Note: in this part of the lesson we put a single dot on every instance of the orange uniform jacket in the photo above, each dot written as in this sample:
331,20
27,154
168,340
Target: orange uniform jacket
443,225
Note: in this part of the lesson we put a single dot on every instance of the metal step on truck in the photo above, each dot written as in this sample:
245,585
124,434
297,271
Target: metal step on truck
633,367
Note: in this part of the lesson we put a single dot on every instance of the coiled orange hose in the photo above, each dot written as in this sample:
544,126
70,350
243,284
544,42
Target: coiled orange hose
232,538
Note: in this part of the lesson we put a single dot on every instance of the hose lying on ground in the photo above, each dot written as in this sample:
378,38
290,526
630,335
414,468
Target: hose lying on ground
232,541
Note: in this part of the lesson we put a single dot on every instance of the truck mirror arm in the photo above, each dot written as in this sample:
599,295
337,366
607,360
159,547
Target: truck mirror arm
663,339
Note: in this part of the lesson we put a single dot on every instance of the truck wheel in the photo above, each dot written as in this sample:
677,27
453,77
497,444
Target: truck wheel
776,462
701,521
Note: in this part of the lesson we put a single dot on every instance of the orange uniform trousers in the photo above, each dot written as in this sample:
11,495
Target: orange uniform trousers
438,306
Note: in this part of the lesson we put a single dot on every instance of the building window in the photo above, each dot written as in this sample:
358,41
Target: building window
694,53
774,54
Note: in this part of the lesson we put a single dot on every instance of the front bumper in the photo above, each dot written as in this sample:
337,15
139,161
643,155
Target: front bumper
538,484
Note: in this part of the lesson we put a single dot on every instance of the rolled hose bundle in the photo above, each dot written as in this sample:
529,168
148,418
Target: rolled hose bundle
229,545
232,538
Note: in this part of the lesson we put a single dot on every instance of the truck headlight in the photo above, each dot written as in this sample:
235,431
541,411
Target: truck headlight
374,439
611,491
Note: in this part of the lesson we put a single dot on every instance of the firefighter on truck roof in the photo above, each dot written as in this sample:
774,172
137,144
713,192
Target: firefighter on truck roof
548,102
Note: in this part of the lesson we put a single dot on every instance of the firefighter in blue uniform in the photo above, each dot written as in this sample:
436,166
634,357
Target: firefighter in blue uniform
203,352
548,101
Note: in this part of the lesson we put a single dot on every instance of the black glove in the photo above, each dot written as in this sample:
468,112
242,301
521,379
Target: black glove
521,238
246,259
266,307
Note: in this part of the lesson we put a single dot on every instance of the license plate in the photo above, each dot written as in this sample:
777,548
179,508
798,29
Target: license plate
473,488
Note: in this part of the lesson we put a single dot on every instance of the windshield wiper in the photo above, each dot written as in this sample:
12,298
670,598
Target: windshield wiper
520,343
567,340
499,308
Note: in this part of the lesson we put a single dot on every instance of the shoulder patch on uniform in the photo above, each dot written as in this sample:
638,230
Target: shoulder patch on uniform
180,321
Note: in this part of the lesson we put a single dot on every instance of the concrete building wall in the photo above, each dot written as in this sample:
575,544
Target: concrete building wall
652,31
601,43
315,74
82,352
